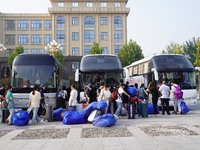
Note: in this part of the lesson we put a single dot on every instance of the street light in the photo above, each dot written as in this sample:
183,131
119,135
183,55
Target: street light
52,47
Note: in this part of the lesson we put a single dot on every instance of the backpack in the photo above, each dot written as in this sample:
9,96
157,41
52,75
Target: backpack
114,94
178,92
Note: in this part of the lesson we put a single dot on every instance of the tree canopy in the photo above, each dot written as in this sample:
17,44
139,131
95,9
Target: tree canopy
95,49
130,53
18,50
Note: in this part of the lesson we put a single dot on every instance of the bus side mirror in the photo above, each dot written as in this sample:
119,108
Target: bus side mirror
155,73
77,75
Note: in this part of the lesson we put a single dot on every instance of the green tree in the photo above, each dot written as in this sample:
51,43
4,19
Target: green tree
189,48
173,48
197,55
130,53
18,50
95,49
59,56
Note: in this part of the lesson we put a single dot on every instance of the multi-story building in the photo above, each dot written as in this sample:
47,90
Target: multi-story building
74,24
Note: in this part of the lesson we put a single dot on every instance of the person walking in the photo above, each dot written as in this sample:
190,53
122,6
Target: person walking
119,100
34,103
154,91
73,98
10,100
165,91
177,102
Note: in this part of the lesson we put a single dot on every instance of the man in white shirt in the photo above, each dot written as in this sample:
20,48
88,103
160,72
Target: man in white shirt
165,91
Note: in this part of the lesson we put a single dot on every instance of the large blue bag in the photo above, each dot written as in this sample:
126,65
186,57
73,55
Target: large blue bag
101,105
74,117
132,91
184,108
151,109
57,114
20,118
105,120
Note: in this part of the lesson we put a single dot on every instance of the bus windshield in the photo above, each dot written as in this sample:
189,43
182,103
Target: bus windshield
186,80
110,78
27,75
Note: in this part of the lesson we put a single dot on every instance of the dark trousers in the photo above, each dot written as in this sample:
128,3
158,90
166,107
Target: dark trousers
155,101
165,105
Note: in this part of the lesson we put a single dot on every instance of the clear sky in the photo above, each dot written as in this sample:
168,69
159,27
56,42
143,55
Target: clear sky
153,24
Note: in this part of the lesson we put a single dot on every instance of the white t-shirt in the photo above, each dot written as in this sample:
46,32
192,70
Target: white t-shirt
35,99
164,89
120,91
73,97
104,95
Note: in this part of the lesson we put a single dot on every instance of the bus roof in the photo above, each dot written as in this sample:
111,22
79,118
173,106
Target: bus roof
100,63
34,59
172,62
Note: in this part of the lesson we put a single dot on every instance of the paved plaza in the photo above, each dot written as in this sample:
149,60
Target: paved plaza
164,132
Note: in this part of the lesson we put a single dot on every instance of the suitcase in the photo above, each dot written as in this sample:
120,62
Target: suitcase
143,110
5,114
49,114
131,111
93,115
79,107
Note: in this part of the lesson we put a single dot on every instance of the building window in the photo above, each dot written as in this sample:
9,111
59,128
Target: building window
75,20
117,4
36,39
60,4
23,39
10,25
60,22
89,36
104,35
37,51
60,36
89,21
9,39
89,4
75,36
47,38
118,35
75,51
26,51
36,25
47,24
103,4
74,4
103,20
117,48
118,22
23,25
87,49
104,50
75,65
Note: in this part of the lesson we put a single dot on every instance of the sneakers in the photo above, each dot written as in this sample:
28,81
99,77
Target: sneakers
116,116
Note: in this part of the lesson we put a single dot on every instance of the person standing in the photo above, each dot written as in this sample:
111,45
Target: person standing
62,97
92,94
177,102
34,103
105,95
154,91
165,91
73,98
10,100
142,94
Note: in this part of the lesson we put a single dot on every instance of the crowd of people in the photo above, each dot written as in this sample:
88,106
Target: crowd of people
68,98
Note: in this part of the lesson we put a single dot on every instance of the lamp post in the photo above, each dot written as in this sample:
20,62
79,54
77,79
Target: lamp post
2,47
52,47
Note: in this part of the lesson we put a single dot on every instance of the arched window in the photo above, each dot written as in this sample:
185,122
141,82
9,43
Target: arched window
60,22
89,21
118,21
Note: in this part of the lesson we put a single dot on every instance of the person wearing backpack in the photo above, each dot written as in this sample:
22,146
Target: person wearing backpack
177,100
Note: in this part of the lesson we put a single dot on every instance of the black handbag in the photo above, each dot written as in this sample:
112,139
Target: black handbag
42,111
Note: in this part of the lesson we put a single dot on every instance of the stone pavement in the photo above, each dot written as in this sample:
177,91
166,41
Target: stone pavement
173,132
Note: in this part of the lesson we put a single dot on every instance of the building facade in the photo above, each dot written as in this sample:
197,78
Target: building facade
74,24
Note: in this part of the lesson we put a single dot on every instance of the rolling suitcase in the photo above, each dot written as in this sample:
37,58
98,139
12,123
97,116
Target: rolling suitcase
131,111
5,114
49,114
143,110
93,115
